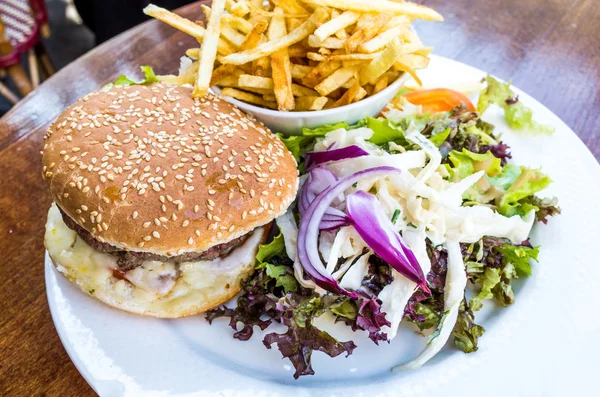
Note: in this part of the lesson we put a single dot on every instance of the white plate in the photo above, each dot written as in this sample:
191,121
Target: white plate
543,345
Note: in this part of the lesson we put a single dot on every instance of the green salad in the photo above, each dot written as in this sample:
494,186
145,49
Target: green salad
418,216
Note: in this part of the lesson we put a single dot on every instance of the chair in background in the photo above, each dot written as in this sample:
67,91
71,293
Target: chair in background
22,24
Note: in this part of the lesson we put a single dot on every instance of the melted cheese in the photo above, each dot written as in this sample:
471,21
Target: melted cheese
155,288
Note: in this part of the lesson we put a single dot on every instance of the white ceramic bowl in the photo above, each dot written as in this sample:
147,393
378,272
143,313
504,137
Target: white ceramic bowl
291,123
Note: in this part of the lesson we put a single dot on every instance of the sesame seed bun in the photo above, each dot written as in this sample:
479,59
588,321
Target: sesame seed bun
148,168
155,289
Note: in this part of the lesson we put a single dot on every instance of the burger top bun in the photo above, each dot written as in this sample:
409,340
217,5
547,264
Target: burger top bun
149,168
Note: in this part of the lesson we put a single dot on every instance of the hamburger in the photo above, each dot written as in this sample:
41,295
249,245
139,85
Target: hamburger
160,200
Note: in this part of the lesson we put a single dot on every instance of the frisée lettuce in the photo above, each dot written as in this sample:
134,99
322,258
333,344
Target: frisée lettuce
518,116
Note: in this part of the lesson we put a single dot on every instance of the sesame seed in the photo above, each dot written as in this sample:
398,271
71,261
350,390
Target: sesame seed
155,234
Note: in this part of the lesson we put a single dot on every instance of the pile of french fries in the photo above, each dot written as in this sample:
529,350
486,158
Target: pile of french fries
300,54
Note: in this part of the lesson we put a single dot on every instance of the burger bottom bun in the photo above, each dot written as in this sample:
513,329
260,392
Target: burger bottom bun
156,289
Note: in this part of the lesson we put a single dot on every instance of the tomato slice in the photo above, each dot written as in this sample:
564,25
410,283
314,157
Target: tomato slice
439,100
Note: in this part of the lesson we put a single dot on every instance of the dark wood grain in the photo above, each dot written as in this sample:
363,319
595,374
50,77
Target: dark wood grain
548,47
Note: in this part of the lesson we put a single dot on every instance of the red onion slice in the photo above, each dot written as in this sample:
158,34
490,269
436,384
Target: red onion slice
314,159
308,233
375,227
318,180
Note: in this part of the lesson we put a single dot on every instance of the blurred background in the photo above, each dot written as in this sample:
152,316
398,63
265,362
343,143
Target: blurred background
72,27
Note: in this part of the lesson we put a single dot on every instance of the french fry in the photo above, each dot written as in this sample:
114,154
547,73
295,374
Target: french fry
301,54
229,81
224,71
424,51
297,51
398,20
208,52
336,24
233,82
264,13
169,78
349,83
412,61
336,79
250,81
231,35
360,94
363,22
237,23
343,57
280,64
311,103
290,6
206,10
341,34
302,31
193,53
299,71
174,20
348,96
293,23
378,66
300,90
330,42
381,6
186,26
256,11
366,33
261,66
354,62
381,83
240,9
247,97
382,39
320,72
254,36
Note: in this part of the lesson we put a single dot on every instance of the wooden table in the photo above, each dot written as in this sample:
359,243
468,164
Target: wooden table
548,47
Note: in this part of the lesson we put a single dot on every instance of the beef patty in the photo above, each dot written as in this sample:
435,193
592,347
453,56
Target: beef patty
129,260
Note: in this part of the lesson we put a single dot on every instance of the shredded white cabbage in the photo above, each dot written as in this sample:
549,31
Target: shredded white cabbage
185,64
289,229
336,249
395,114
394,298
342,138
352,278
430,206
435,157
456,281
